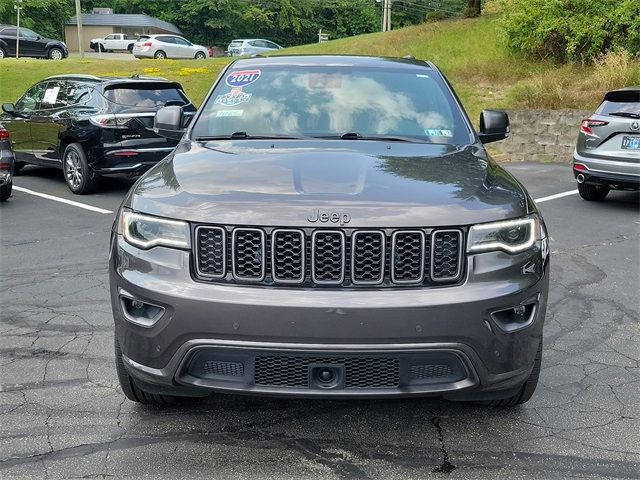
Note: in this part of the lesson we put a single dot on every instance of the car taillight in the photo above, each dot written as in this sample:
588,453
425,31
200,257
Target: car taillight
147,44
579,166
587,124
4,134
110,121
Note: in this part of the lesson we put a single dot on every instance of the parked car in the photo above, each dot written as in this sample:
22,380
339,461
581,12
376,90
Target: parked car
167,46
92,126
607,154
7,162
330,226
113,42
31,44
251,46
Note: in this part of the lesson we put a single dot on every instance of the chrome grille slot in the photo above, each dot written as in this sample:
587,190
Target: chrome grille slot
211,251
249,254
407,256
367,257
288,256
328,257
446,261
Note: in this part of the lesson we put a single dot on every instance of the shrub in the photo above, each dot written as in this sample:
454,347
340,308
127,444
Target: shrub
566,30
435,16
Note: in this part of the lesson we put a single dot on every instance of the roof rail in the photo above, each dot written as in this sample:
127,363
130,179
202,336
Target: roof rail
79,76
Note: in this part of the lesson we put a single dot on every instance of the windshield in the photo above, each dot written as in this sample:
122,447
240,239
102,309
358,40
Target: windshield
331,101
236,43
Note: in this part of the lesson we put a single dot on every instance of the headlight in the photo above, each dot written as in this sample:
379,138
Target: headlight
145,232
512,236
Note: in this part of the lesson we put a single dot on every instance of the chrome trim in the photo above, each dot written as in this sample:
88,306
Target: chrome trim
382,260
224,252
433,249
233,254
313,258
119,169
142,150
273,252
422,254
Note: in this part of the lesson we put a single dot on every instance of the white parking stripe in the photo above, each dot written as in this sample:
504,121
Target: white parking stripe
62,200
557,195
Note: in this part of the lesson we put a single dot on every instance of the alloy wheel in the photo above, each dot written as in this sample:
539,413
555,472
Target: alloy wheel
73,169
55,54
1,53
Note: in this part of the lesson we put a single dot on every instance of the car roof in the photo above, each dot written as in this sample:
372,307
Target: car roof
337,60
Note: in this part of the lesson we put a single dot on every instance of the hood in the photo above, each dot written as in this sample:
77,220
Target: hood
288,182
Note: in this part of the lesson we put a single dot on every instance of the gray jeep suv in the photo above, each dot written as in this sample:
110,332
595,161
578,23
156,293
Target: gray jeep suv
329,226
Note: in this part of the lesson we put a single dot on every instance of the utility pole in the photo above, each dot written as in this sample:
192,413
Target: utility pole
386,15
18,6
79,18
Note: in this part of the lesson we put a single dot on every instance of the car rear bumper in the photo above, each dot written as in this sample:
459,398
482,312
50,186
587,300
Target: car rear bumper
599,170
129,162
381,343
7,162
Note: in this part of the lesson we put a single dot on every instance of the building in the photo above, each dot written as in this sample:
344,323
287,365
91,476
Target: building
103,21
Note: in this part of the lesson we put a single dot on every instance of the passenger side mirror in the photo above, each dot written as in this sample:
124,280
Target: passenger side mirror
494,126
168,122
9,108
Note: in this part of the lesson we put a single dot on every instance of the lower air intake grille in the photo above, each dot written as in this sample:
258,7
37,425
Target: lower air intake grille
430,371
293,371
230,369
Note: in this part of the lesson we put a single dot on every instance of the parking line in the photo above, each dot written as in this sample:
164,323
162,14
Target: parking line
62,200
557,195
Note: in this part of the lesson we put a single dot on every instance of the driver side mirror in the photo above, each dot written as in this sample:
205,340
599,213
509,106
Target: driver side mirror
494,126
9,108
168,122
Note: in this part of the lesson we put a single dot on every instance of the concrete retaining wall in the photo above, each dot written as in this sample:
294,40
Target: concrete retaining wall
541,135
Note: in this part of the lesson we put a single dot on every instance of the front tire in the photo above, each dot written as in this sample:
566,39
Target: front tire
56,54
132,391
3,54
80,178
5,191
17,168
200,56
160,55
593,193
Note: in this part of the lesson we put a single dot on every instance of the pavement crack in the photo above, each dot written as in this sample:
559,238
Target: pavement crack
446,466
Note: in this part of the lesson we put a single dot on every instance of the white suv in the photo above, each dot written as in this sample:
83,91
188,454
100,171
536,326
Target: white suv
167,46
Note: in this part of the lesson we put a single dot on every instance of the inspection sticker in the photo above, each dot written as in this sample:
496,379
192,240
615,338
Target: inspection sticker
242,78
235,97
229,113
436,132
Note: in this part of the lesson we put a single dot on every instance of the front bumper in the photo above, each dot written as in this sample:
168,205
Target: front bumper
207,331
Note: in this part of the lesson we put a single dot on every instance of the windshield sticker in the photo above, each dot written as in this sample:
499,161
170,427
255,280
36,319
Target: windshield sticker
51,95
436,132
242,78
229,113
235,97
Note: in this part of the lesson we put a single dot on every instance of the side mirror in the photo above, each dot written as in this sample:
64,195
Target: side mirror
9,108
494,126
168,122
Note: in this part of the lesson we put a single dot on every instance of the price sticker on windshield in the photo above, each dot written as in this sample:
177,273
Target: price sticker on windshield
242,78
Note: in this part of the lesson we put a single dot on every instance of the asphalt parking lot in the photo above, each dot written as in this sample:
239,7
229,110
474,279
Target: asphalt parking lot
62,413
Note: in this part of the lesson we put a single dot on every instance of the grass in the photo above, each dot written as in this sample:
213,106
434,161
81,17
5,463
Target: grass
468,51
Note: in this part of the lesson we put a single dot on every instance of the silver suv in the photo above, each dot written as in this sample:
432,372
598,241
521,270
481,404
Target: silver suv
167,46
607,154
329,226
251,46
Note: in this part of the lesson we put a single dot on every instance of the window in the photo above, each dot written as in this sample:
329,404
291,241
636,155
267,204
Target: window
181,41
28,34
79,93
31,99
329,101
166,39
110,37
55,95
146,95
271,44
9,32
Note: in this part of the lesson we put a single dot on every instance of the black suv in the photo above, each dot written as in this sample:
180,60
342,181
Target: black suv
31,44
92,126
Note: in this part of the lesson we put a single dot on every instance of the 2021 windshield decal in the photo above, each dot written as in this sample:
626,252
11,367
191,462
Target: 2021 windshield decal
242,78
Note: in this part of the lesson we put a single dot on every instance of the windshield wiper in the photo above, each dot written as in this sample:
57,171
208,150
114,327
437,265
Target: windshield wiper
245,136
385,138
625,114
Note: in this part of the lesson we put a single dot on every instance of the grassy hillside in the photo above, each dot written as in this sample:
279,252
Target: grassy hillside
469,52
